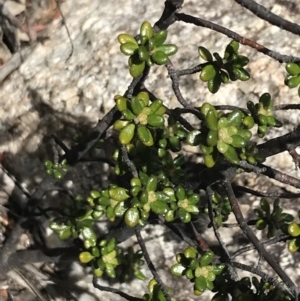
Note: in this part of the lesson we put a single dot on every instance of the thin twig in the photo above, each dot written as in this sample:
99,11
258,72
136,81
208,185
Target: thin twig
114,290
150,265
254,240
233,35
231,271
265,14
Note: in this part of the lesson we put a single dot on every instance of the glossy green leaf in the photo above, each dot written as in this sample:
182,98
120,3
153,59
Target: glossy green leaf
294,229
136,68
145,135
205,54
235,118
206,107
211,120
209,161
118,193
212,138
177,269
128,48
293,245
208,72
85,257
206,258
126,38
248,122
231,155
137,105
184,215
222,147
292,68
159,38
155,106
168,49
155,120
200,283
293,81
143,53
193,138
144,96
190,252
159,57
132,217
127,133
120,124
146,30
241,74
214,84
159,207
238,141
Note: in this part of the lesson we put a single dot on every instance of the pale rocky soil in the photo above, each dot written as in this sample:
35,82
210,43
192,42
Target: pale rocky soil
49,95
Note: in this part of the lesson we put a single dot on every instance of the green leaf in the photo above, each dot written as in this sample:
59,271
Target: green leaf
238,141
200,283
214,84
190,252
126,38
132,217
205,54
136,70
159,38
168,49
128,48
160,58
293,81
155,120
206,258
184,215
292,68
235,118
159,207
146,30
85,257
118,193
193,138
145,135
241,73
212,138
211,120
208,72
143,53
127,134
177,269
231,155
137,105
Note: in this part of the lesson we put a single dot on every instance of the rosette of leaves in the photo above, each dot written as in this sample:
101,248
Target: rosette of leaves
198,270
76,219
110,201
184,203
56,169
292,80
251,154
171,137
247,289
140,118
221,209
148,51
275,220
103,257
130,265
224,134
219,70
262,113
